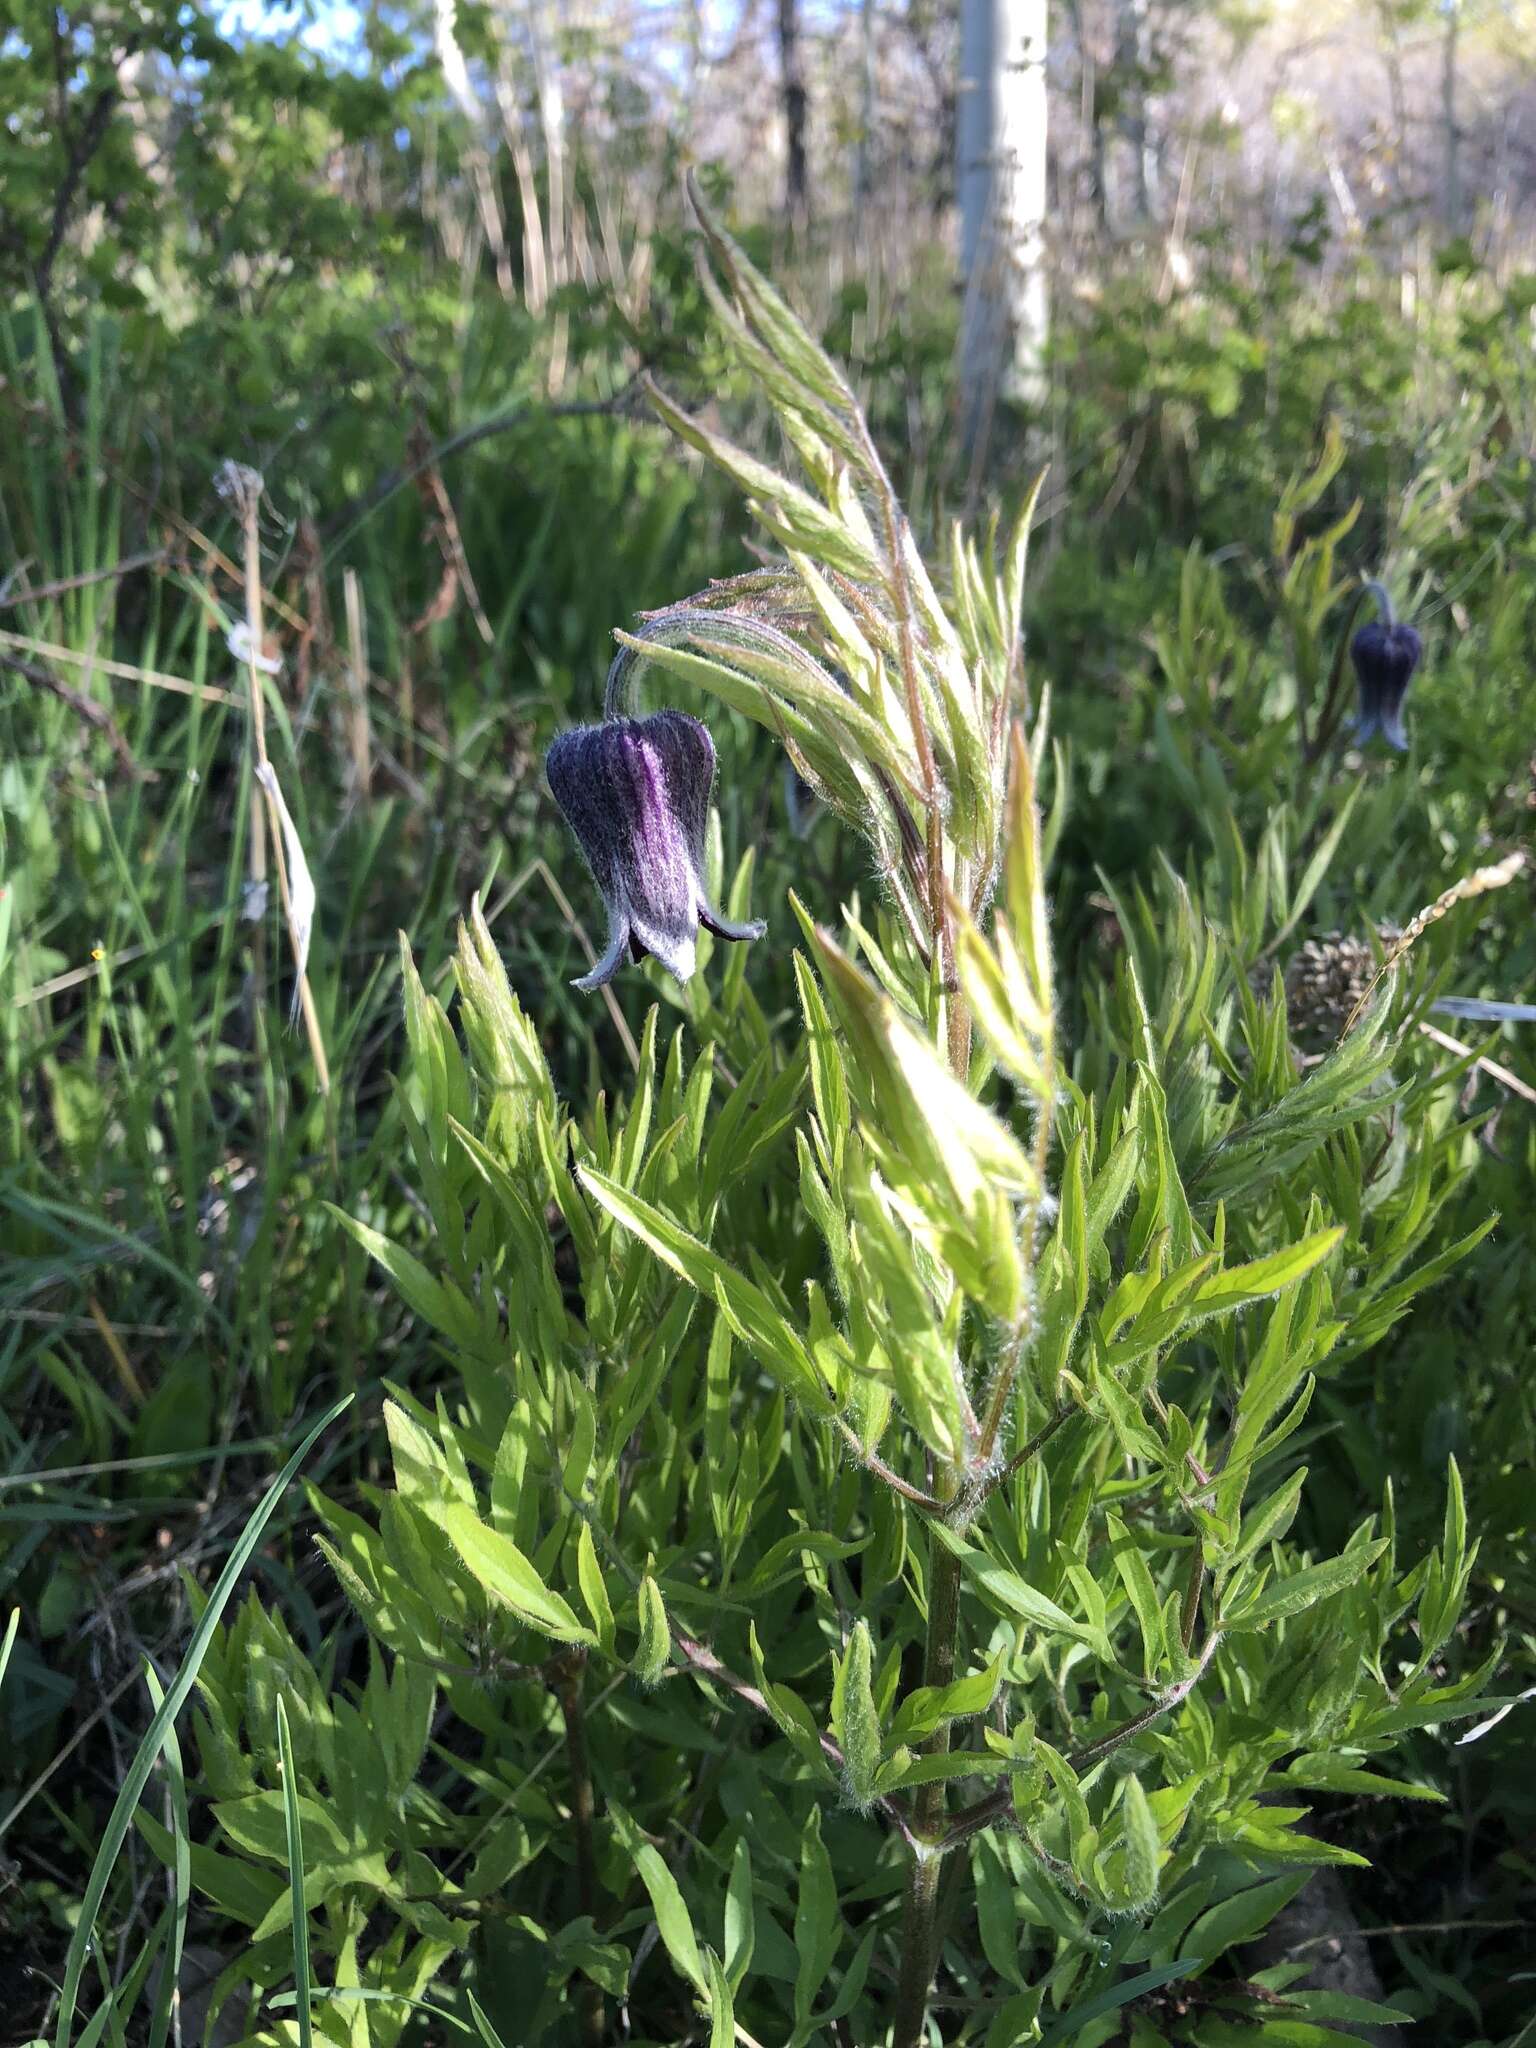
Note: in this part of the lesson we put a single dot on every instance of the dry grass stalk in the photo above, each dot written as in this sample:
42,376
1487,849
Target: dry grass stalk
1483,1065
122,1364
1478,883
359,731
243,487
128,671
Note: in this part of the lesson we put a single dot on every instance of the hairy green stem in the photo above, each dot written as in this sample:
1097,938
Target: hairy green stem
917,1959
919,1911
1192,1591
997,1805
1025,1452
582,1811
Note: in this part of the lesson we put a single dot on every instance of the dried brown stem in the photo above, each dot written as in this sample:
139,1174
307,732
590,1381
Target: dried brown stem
84,708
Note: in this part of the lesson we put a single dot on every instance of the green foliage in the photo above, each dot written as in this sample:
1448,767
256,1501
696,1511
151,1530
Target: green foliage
1167,1337
1158,1658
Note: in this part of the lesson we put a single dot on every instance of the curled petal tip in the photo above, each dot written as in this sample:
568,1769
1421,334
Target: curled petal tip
598,976
730,928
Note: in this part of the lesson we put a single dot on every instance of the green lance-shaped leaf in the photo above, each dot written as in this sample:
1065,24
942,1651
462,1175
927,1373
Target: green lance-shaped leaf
1014,1597
1240,1918
930,1706
811,417
752,1315
1235,1286
1302,1589
1445,1583
951,1137
501,1034
435,1055
818,1922
1266,1523
1138,1582
722,2011
1350,1084
594,1590
825,387
935,1142
791,514
1003,1001
829,1083
786,1708
856,1719
1024,878
437,1302
500,1568
673,1922
650,1659
740,1915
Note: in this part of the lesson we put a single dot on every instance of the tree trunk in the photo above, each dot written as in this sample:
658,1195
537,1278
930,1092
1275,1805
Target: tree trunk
1131,72
792,74
1448,53
863,158
1001,175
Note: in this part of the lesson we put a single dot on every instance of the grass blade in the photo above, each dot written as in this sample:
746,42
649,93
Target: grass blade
295,1875
144,1759
181,1872
10,1637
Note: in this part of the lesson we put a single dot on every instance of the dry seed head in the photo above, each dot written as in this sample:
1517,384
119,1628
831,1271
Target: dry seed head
1324,980
239,486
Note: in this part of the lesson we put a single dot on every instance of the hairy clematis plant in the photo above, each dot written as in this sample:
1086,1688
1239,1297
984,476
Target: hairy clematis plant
636,793
910,1425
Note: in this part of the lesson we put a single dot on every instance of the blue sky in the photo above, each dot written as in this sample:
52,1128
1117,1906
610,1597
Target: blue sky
329,26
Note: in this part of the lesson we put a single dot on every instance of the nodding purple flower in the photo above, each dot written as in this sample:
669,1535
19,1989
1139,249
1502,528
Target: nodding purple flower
636,793
1385,655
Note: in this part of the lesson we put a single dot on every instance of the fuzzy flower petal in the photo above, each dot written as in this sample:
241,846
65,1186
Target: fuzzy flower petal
636,793
1385,659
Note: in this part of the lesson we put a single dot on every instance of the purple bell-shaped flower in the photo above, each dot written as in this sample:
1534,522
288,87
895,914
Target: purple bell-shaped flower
636,793
1385,655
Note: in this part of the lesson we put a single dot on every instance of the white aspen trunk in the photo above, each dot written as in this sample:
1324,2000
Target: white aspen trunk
550,88
1448,116
1001,138
863,155
1131,64
456,73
